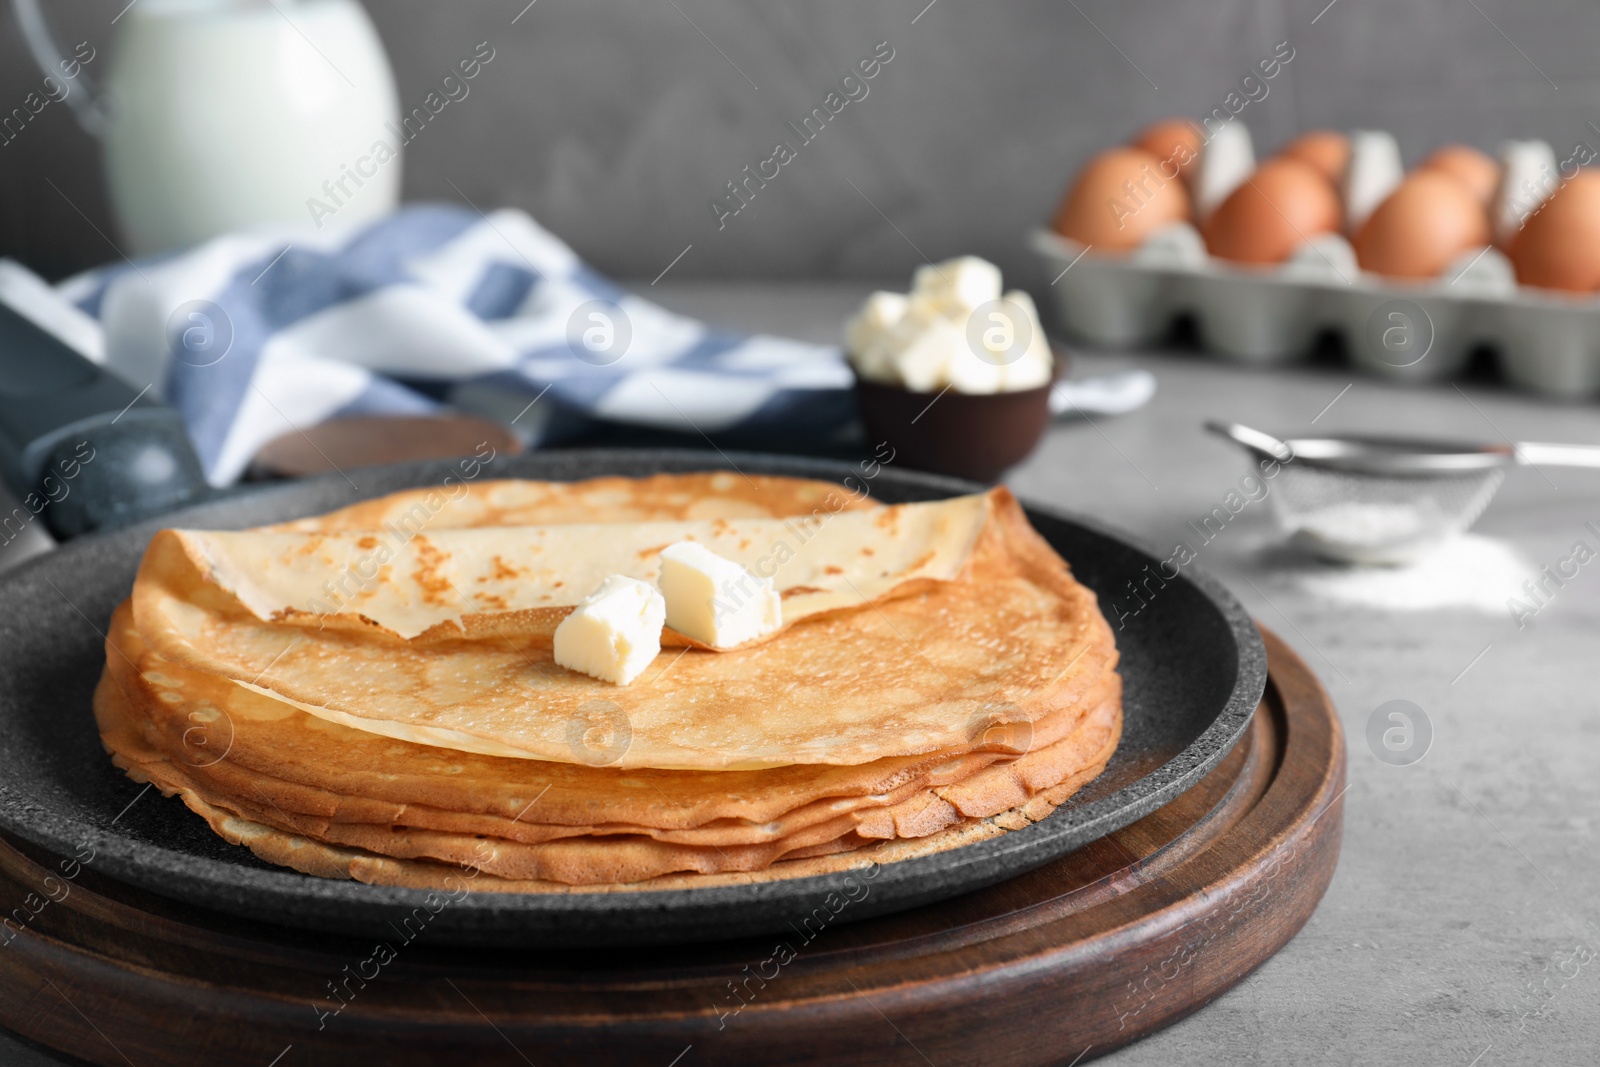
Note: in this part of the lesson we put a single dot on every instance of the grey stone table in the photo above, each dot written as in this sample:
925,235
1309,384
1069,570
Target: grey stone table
1460,927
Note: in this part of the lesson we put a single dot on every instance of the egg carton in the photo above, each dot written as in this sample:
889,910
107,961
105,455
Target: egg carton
1544,341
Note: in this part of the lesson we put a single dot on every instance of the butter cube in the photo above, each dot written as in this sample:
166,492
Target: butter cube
1034,369
1035,366
714,600
876,317
1025,303
924,363
869,338
936,337
614,632
974,372
959,285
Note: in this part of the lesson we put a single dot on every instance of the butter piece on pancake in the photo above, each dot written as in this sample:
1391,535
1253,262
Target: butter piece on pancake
614,632
492,582
715,601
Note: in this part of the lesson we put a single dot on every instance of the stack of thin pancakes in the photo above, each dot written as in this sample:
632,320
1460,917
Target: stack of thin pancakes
949,681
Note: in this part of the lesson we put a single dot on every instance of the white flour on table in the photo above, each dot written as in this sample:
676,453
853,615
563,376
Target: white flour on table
1468,571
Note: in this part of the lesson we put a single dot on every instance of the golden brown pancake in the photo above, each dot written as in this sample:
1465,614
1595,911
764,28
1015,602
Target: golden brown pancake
975,703
406,856
330,771
904,676
660,497
486,582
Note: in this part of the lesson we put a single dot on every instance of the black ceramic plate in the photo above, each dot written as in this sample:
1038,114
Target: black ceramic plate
1192,662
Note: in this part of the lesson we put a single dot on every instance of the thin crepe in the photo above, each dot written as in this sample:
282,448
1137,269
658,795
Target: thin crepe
1014,639
243,742
574,858
492,581
338,801
659,497
343,862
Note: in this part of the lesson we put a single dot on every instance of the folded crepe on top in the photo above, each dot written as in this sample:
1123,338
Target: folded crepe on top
486,581
970,690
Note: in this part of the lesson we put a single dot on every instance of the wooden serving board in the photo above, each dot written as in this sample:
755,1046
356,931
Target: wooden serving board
1059,965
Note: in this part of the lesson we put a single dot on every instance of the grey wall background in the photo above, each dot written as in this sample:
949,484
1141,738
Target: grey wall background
615,122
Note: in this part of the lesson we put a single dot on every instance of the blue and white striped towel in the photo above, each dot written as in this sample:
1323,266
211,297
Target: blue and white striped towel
251,335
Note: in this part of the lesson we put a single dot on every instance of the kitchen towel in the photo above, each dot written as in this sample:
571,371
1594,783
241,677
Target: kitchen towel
251,336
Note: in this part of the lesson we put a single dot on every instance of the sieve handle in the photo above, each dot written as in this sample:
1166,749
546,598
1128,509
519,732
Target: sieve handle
1252,439
1544,455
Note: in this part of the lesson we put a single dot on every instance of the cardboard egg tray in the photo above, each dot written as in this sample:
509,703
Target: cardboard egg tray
1544,341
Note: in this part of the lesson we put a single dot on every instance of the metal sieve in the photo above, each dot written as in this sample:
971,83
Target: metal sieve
1361,499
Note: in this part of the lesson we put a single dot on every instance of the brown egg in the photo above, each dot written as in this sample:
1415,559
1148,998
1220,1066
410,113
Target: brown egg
1174,140
1472,168
1119,199
1429,220
1327,150
1559,246
1283,204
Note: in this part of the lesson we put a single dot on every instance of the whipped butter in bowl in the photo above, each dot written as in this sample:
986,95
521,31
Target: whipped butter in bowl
954,375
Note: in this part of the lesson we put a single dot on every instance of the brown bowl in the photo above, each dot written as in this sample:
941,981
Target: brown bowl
966,435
